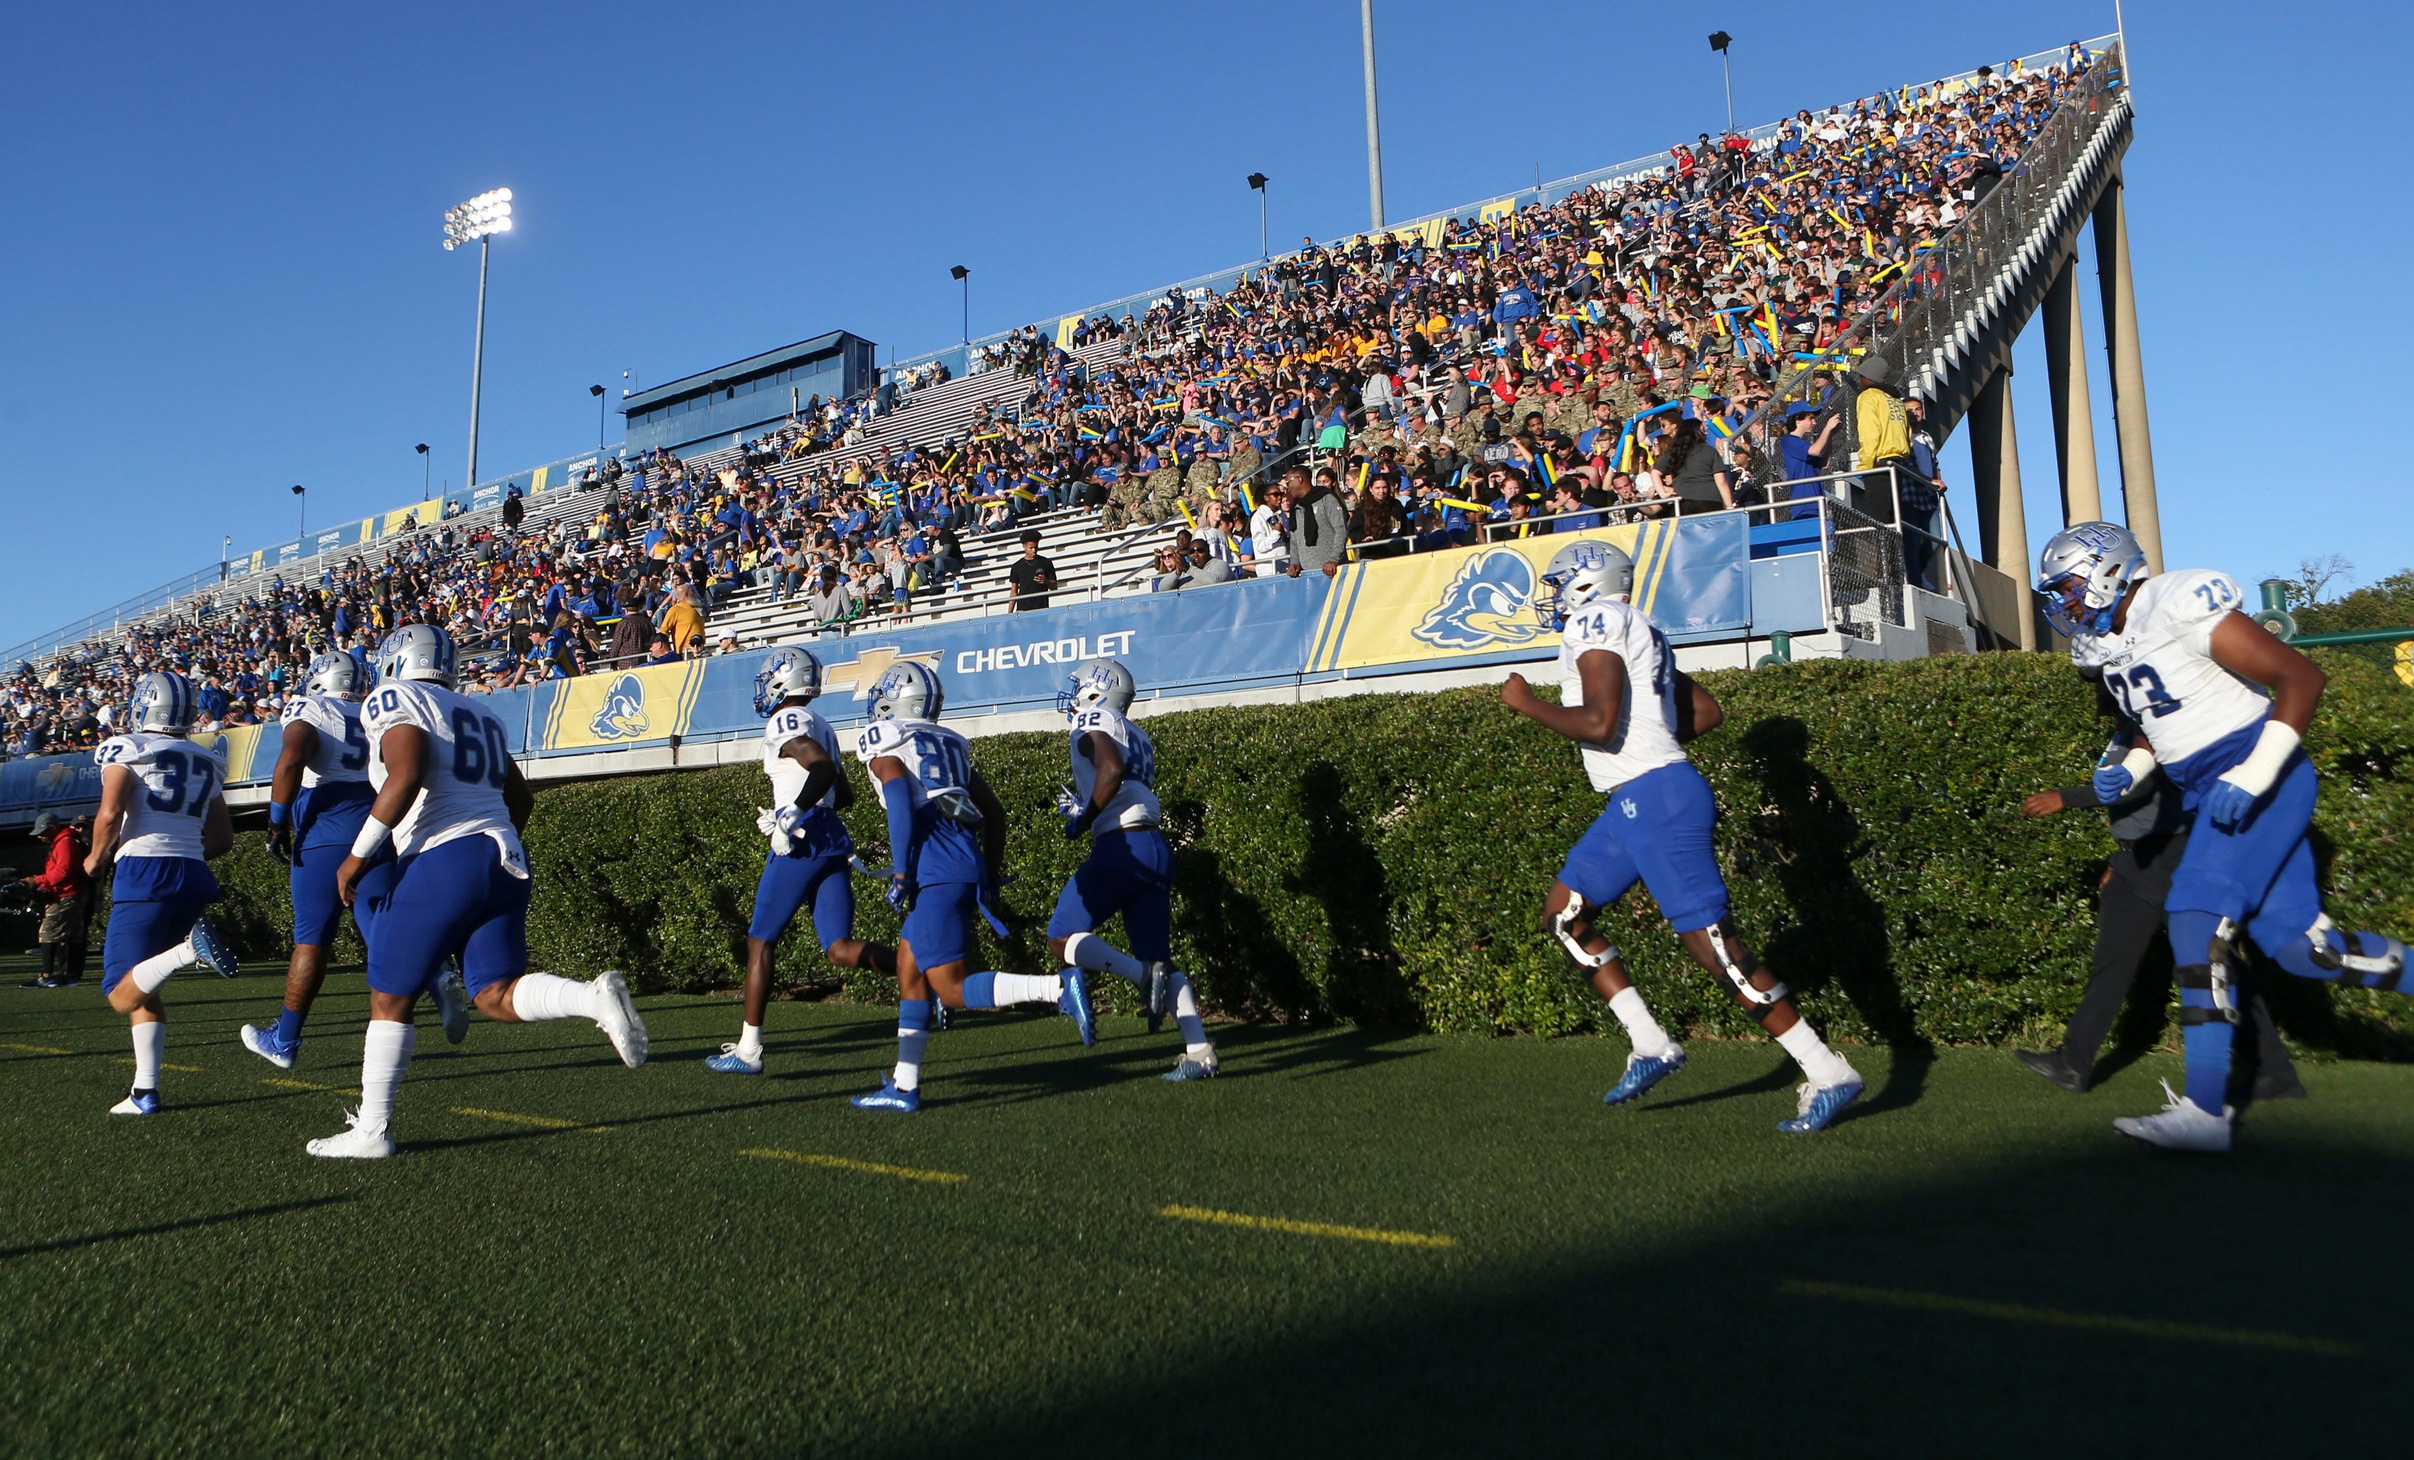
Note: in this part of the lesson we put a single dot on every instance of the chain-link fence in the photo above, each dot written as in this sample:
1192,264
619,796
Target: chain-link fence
1864,572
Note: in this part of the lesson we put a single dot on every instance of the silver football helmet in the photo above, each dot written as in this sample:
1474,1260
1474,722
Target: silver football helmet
2083,572
1581,573
1098,682
338,674
789,674
420,652
163,702
908,691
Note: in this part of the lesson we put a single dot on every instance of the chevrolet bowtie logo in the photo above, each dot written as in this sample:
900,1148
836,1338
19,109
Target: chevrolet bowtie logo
864,672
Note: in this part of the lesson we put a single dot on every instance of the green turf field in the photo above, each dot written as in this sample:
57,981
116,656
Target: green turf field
570,1256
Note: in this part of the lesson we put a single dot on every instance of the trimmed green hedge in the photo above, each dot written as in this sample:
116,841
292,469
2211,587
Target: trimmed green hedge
1381,858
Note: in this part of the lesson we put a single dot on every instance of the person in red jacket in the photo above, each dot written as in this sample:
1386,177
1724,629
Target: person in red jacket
69,891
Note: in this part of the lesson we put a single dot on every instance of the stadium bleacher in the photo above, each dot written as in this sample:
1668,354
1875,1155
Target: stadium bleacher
1650,322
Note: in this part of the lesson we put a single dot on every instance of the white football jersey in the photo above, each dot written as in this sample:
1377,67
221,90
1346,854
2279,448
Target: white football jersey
1135,805
822,831
176,781
937,761
2160,667
342,752
467,765
1645,737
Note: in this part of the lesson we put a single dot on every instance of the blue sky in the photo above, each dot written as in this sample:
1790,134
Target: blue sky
224,275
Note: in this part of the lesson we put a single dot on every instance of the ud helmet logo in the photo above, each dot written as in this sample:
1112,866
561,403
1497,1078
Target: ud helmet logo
623,714
1484,606
1627,805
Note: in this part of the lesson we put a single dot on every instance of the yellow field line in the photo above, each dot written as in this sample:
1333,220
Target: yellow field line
306,1085
180,1069
546,1121
38,1048
1308,1229
2098,1322
875,1168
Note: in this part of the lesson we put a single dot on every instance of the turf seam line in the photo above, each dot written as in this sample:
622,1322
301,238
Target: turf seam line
38,1048
2099,1322
1308,1229
872,1168
163,1064
546,1121
306,1085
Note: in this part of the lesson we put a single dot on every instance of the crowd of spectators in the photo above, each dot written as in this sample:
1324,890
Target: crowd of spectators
1556,368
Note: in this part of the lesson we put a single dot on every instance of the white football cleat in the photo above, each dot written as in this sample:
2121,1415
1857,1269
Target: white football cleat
452,1005
619,1020
361,1142
2182,1125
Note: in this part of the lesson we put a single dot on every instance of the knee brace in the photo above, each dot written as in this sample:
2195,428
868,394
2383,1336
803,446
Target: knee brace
1740,976
1563,924
2213,977
2355,957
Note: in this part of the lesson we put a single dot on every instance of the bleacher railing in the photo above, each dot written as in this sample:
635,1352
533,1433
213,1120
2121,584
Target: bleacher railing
1946,287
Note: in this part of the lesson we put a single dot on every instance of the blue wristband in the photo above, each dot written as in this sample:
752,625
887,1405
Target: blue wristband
279,813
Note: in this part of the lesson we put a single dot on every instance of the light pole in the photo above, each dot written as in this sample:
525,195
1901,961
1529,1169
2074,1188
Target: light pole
963,276
226,545
477,220
597,392
1374,133
424,470
1257,184
1719,41
301,521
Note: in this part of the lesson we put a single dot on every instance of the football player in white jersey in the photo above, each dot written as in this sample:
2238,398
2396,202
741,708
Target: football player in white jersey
2189,671
947,845
317,797
163,815
1113,801
1630,711
450,802
811,854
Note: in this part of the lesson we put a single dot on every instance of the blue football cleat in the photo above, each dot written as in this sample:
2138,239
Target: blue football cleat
889,1097
137,1102
211,952
263,1042
1194,1067
1821,1104
1160,994
730,1062
1075,1004
1643,1072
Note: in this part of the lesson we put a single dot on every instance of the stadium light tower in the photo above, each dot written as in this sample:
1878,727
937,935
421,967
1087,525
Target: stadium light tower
963,276
424,470
301,521
477,221
597,392
1374,132
1719,41
1257,184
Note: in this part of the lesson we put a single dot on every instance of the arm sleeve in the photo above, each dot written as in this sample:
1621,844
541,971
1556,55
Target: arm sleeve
898,800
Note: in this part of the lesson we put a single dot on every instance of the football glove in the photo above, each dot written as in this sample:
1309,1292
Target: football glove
2112,782
2228,804
280,844
901,894
1067,803
789,819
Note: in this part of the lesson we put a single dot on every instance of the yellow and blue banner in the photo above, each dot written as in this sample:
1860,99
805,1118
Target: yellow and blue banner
621,707
1691,575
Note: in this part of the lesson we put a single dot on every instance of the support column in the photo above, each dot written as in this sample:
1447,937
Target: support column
2074,423
1995,473
2139,507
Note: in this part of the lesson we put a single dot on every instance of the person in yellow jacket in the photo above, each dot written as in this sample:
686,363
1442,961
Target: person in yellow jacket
1882,433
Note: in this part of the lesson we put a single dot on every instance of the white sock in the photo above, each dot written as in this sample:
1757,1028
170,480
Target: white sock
1823,1065
750,1042
1186,1014
155,970
150,1042
385,1052
1026,988
1650,1040
911,1044
548,996
1088,950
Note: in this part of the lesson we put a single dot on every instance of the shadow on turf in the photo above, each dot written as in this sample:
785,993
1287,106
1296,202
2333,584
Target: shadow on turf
94,1239
1716,1348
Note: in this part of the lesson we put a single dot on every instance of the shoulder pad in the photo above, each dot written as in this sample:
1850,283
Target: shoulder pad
116,750
881,737
2194,595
